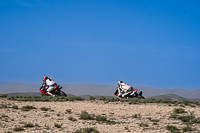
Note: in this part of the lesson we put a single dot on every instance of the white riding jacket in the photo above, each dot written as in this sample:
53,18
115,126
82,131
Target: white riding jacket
50,83
124,87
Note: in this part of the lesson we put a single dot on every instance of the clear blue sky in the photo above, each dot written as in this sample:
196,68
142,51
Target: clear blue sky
155,43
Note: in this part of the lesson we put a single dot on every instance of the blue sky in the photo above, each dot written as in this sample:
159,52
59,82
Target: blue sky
155,43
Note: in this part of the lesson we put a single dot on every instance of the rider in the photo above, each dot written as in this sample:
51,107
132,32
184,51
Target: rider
123,89
49,84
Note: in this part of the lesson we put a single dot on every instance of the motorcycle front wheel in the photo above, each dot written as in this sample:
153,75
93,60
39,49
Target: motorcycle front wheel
63,94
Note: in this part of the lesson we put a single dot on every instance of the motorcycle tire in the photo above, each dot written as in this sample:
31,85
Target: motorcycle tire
63,94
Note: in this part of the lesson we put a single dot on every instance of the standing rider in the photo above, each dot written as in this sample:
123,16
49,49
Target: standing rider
123,89
49,84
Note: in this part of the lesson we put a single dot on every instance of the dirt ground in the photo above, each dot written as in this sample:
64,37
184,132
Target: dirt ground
134,118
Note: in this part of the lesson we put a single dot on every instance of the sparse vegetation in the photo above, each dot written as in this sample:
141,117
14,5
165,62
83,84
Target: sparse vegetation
154,123
149,118
179,110
43,99
19,96
187,128
92,98
191,105
111,122
69,111
85,116
197,102
172,128
11,98
3,115
173,116
185,102
101,118
126,128
102,98
57,125
27,108
197,120
124,100
143,124
44,109
187,118
112,99
136,115
15,107
182,105
3,95
28,125
4,106
87,130
71,118
153,120
47,127
19,128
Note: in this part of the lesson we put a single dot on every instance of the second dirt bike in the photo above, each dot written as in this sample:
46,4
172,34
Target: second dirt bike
132,94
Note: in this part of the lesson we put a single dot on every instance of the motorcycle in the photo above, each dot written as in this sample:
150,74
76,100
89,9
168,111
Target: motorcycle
57,91
132,94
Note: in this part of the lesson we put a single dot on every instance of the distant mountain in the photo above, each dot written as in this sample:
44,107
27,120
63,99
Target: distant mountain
89,89
32,94
10,87
190,94
96,90
173,97
24,94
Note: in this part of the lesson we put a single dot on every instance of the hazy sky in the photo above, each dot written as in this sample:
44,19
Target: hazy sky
155,43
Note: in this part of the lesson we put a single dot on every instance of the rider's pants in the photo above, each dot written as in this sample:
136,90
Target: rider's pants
50,89
125,93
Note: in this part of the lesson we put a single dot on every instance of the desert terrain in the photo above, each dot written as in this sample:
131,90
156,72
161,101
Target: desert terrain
64,117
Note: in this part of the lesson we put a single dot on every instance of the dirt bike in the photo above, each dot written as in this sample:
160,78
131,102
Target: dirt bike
57,91
132,94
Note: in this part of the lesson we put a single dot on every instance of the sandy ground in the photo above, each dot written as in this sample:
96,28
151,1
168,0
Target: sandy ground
115,111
